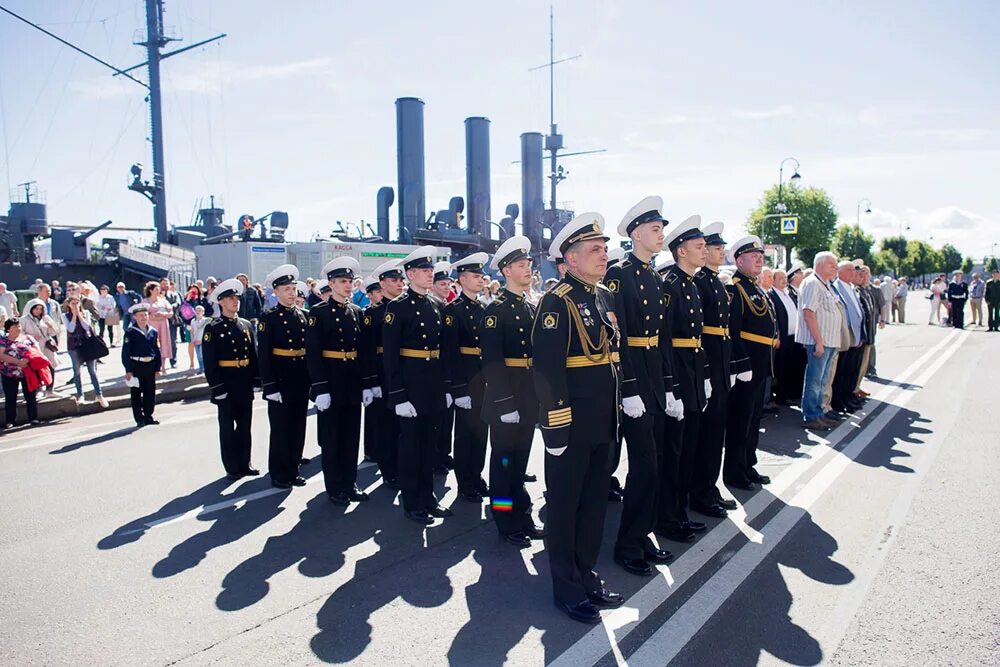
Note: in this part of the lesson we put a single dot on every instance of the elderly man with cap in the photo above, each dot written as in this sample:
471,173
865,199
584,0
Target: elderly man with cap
141,360
753,330
715,340
417,386
692,385
231,369
439,294
374,410
646,375
463,365
281,346
575,341
509,404
333,343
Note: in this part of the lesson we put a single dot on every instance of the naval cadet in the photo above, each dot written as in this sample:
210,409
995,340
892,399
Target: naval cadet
281,344
332,347
645,369
417,387
439,294
615,256
373,411
386,443
141,360
231,370
753,332
692,386
705,496
575,346
463,365
510,406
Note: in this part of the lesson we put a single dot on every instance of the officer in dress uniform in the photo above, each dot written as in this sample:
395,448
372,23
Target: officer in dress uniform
281,344
510,406
373,411
231,370
141,360
705,496
418,391
575,344
640,309
386,454
692,386
332,348
439,296
753,332
463,365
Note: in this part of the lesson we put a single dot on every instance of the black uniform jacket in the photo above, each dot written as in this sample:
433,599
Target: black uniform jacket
142,344
715,327
684,328
752,327
646,367
460,345
333,347
575,346
230,357
281,353
411,339
505,335
372,372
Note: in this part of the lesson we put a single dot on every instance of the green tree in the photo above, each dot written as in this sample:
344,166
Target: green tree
951,258
921,258
817,219
967,265
851,242
893,252
993,265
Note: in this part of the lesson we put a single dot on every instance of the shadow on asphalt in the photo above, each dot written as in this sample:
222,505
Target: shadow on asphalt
97,440
906,426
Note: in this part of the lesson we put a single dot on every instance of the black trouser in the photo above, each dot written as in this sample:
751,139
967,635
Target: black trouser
639,509
470,444
143,396
418,439
845,378
444,436
510,501
110,328
708,461
576,499
681,454
287,421
235,415
387,451
173,342
373,413
746,404
342,428
10,386
616,460
958,313
993,314
789,370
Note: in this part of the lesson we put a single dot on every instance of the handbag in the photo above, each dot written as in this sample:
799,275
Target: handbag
52,344
187,311
91,347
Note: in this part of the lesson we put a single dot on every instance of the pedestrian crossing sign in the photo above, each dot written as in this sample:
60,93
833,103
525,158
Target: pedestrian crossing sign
790,225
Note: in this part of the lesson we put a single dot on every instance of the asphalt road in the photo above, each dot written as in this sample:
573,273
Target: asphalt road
875,544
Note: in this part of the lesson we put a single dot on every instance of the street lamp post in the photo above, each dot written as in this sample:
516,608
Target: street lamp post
780,207
857,222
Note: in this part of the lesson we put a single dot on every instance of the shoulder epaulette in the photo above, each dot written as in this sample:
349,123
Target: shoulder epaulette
700,274
562,289
671,277
735,279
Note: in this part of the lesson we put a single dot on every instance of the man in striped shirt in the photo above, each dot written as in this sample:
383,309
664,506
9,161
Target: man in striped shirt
819,332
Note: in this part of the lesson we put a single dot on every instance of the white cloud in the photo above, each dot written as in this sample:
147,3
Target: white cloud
763,114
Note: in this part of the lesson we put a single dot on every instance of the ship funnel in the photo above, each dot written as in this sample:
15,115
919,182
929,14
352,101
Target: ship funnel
410,166
477,174
532,203
383,201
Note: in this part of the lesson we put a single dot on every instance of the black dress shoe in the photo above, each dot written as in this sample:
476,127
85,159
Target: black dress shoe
279,484
606,599
471,496
441,469
535,532
299,481
251,472
615,496
636,566
151,422
585,611
234,476
392,483
137,425
530,478
833,415
519,540
659,556
745,485
757,477
676,534
714,510
304,461
727,504
695,526
357,495
440,512
420,516
340,498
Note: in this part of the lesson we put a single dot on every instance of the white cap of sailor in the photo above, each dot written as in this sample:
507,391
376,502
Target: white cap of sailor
390,269
342,267
647,210
713,233
227,287
685,231
664,262
584,227
744,245
796,267
321,288
283,275
302,288
615,255
442,271
372,283
474,263
140,307
513,249
421,258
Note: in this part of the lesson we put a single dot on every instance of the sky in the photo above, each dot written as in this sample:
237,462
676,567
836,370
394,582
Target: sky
893,102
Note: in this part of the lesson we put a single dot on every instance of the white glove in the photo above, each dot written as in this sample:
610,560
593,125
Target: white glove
406,410
377,392
464,402
511,418
675,407
366,397
745,377
222,397
322,402
447,400
633,407
732,379
276,397
708,389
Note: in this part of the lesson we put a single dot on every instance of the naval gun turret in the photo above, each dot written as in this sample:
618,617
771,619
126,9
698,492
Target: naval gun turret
71,246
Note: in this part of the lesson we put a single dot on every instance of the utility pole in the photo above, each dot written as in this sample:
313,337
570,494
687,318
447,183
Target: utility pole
155,40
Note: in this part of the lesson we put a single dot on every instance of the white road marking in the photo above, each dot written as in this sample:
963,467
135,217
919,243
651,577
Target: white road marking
664,644
622,621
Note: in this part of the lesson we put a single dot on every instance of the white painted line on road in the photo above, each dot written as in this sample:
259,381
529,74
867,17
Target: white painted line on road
664,644
622,621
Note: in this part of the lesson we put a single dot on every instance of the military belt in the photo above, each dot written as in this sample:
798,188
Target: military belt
755,338
512,362
337,354
379,349
715,331
583,361
143,359
686,342
471,351
419,354
281,352
637,341
233,363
